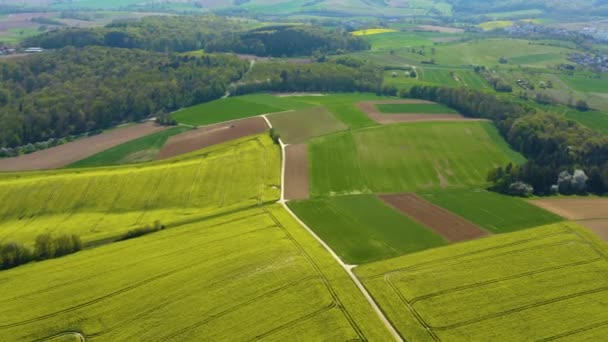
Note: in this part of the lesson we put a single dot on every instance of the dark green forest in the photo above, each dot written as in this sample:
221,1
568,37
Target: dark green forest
72,91
211,33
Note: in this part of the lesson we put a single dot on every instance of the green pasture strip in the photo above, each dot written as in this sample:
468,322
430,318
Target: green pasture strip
553,278
495,212
300,125
233,108
399,40
104,203
362,228
587,84
407,157
597,121
417,108
136,151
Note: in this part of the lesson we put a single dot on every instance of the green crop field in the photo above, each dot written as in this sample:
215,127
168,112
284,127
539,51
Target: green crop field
136,151
343,106
585,84
595,120
233,108
399,40
539,284
443,77
488,51
254,274
418,108
494,212
362,228
299,126
103,203
407,157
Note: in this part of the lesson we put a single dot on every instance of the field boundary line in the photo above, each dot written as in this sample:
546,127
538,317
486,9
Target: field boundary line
347,268
428,264
574,332
498,280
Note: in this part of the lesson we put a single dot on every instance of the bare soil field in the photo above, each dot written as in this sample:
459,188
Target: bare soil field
369,108
296,172
589,212
22,20
211,135
452,227
440,29
69,153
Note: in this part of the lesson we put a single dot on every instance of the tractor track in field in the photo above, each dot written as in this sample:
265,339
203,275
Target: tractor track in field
441,261
242,305
347,268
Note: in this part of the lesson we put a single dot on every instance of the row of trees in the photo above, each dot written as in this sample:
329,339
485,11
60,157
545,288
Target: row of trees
551,143
322,77
13,254
72,91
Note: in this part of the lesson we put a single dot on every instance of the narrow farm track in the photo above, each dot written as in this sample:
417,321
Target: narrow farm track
347,268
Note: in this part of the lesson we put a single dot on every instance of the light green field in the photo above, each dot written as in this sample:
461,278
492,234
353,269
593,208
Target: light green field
488,51
255,274
299,126
538,284
233,108
343,106
429,108
495,212
595,120
104,203
496,24
399,40
407,157
136,151
584,84
363,229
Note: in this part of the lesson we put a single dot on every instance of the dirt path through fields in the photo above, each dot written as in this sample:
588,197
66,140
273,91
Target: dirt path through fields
69,153
589,212
369,108
452,227
206,136
296,172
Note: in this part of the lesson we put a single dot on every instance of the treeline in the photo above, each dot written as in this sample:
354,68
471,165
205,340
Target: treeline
289,41
208,32
551,143
155,33
331,76
72,91
14,254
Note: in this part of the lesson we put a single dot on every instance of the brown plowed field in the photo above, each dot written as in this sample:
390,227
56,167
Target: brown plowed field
369,108
296,172
452,227
589,212
211,135
69,153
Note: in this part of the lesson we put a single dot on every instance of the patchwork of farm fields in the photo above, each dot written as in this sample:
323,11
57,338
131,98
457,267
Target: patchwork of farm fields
233,108
541,284
105,203
407,157
255,274
362,229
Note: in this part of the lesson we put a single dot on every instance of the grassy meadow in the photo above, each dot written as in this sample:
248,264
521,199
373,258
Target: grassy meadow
247,275
104,203
300,125
492,211
407,157
418,108
362,228
136,151
234,108
538,284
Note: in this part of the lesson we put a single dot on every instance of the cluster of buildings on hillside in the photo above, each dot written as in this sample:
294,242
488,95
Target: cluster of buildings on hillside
7,50
598,63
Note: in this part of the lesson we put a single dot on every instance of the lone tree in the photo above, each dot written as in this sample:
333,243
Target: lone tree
582,105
